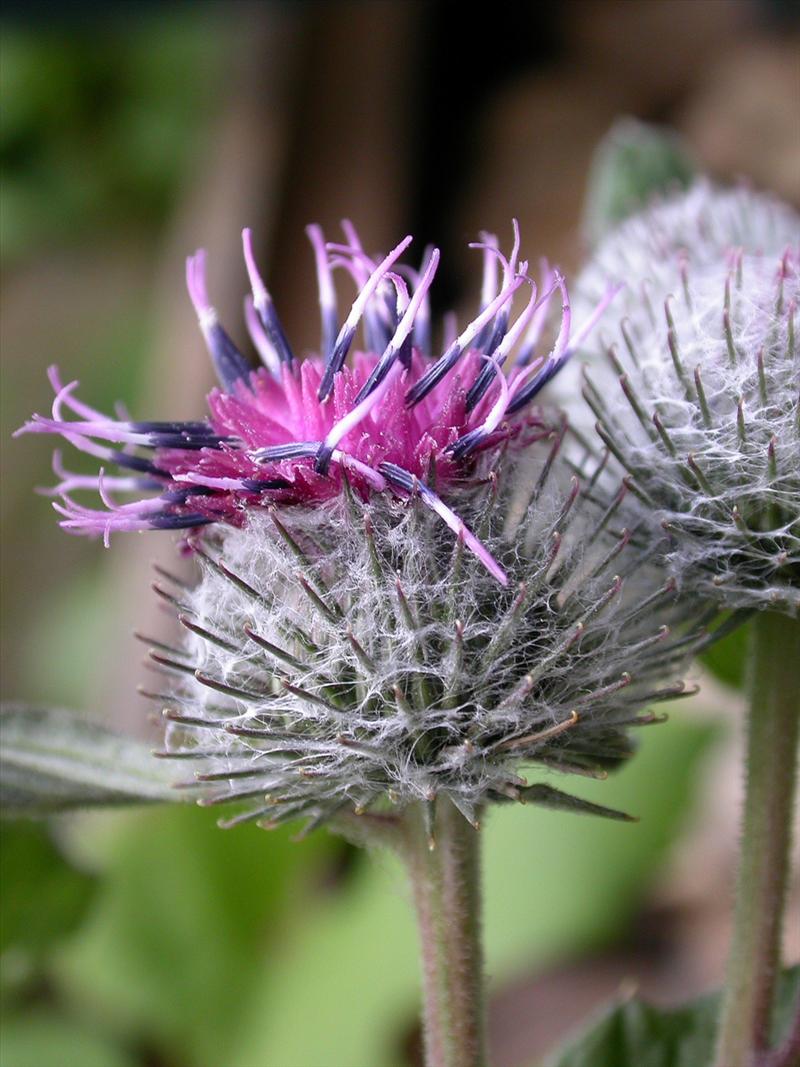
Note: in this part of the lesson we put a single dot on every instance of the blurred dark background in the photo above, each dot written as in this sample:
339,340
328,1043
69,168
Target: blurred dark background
129,136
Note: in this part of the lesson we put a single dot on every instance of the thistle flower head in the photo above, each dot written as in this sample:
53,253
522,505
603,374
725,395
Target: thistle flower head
352,656
705,416
403,594
650,255
284,434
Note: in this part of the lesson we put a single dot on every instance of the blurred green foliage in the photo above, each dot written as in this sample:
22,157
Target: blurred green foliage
185,922
42,1038
726,660
636,1034
242,948
43,897
632,165
100,120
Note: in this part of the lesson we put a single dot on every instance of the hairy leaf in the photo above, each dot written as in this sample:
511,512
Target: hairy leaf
54,760
636,1034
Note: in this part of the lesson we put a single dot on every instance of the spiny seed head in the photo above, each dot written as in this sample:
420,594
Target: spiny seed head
705,419
350,655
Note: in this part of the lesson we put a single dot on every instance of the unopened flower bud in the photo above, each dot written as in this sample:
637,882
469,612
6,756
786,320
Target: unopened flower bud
704,414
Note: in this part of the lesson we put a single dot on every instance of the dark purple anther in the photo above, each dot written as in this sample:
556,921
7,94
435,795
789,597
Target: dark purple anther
535,385
485,378
271,437
263,303
436,374
295,450
178,522
229,363
466,444
336,360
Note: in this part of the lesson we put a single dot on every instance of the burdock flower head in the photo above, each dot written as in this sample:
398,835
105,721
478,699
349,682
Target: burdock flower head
705,416
651,251
403,593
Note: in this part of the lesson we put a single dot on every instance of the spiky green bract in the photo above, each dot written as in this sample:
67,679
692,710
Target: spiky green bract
705,419
353,654
652,254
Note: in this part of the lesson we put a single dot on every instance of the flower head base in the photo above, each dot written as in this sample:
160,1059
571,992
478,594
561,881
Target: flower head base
710,427
286,433
350,655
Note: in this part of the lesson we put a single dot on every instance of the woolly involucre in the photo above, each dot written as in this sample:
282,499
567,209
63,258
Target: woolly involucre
649,252
350,654
705,420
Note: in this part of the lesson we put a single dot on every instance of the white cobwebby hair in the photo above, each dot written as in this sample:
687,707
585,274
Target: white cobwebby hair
354,655
704,416
651,254
648,252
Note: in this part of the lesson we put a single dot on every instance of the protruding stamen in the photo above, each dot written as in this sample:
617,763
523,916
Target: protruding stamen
278,453
229,363
499,356
347,332
327,292
70,482
445,363
385,373
402,479
422,322
548,287
360,265
263,302
262,344
404,328
471,440
530,380
489,247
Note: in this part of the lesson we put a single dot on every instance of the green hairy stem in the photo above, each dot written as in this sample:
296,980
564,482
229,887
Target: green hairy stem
445,879
771,767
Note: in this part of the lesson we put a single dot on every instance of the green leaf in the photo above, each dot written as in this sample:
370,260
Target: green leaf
633,163
184,921
52,760
44,1038
635,1034
727,658
43,897
559,883
343,990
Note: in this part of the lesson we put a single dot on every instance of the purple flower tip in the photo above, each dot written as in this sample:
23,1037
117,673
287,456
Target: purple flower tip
288,432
